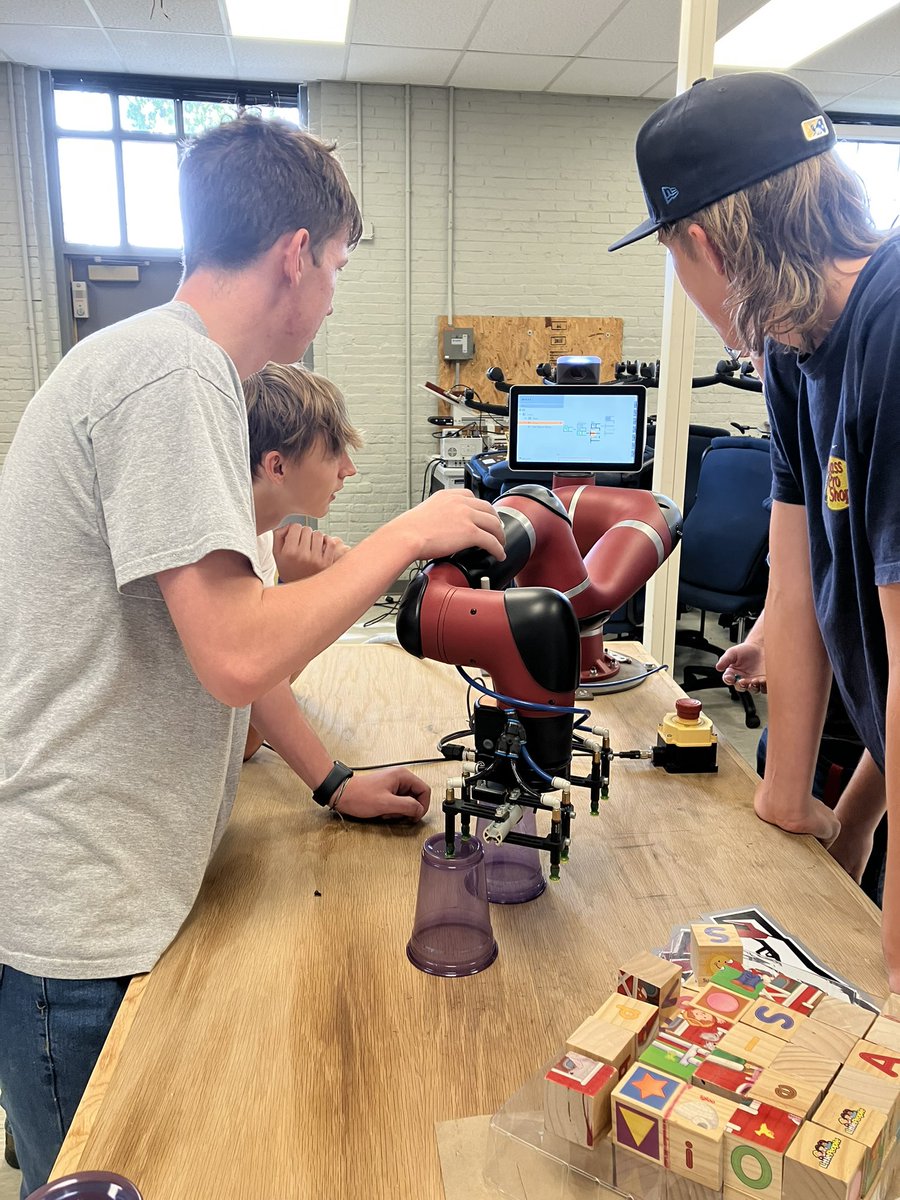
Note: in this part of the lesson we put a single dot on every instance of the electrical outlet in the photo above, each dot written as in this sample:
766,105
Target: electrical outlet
80,308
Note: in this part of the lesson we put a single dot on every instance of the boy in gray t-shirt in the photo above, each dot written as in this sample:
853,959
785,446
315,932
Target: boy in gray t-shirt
134,626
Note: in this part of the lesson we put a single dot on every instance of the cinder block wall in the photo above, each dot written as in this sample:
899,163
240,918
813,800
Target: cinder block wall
543,184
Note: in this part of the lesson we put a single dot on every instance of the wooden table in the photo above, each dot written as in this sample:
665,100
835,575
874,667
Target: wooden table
285,1047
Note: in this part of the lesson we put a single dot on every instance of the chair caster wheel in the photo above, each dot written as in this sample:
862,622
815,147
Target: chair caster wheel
753,721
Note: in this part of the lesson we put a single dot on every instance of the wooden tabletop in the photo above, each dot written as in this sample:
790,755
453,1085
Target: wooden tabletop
284,1046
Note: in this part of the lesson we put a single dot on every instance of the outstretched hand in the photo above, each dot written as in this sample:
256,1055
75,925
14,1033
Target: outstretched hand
390,792
743,667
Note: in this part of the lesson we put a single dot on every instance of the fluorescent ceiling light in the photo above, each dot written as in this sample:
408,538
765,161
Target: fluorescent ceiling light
784,32
289,20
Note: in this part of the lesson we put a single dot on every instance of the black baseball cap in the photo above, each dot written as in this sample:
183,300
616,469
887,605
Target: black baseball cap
719,137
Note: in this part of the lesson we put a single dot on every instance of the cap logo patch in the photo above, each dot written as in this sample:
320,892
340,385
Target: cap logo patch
815,127
669,194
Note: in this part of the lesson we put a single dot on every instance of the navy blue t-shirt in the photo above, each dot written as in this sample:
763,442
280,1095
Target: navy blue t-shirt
835,417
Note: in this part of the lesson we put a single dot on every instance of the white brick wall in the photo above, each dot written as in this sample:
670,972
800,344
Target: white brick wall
543,184
16,371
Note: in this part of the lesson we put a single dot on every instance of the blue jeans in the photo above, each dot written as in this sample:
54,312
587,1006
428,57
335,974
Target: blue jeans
51,1035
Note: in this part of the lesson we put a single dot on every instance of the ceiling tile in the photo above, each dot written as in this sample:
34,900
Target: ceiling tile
553,26
830,86
511,72
663,89
881,96
873,49
382,64
173,54
642,29
64,49
437,25
287,62
161,16
609,77
46,12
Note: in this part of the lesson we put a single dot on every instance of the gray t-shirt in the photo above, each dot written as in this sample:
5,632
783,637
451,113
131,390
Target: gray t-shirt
117,768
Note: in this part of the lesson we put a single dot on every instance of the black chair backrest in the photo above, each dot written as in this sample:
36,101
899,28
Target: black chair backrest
726,533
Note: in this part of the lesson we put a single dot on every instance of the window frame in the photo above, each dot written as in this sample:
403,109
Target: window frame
240,94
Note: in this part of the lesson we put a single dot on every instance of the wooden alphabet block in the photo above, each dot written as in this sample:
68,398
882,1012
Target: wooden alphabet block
693,1130
652,979
639,1102
603,1042
722,1002
886,1032
752,1044
793,1095
891,1007
796,1062
577,1099
639,1018
756,1139
697,1025
712,948
861,1122
638,1176
823,1165
674,1056
773,1018
740,980
791,993
726,1075
872,1059
824,1039
852,1017
882,1094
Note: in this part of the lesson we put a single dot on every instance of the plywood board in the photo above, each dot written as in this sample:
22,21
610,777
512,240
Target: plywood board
518,344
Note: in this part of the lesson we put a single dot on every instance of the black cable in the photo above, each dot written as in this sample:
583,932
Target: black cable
409,762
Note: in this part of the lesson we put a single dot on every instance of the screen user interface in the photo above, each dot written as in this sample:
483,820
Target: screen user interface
561,427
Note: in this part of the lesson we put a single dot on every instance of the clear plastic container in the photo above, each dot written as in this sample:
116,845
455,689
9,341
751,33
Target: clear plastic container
88,1185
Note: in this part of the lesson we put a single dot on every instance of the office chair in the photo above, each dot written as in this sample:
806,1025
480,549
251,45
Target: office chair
724,550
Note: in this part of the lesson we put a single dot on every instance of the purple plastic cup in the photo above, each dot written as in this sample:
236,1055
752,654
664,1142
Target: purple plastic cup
452,932
88,1185
514,873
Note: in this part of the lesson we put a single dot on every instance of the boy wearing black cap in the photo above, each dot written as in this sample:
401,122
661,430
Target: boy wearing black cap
771,238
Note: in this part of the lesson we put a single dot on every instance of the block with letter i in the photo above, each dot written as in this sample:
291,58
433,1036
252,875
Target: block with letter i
694,1131
577,1093
756,1139
751,1044
652,979
860,1121
712,948
823,1165
639,1104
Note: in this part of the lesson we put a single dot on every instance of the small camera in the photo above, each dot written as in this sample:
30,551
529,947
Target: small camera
577,368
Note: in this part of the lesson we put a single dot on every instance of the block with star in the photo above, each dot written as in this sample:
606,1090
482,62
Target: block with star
652,979
639,1103
792,993
577,1104
756,1139
752,1044
638,1017
859,1121
673,1055
842,1015
697,1025
603,1042
793,1095
726,1075
773,1018
693,1133
722,1002
796,1062
823,1165
712,948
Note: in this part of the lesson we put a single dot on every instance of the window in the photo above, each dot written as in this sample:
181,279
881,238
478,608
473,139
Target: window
873,151
117,153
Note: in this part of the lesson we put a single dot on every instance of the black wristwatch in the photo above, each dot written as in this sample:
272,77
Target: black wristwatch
338,774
